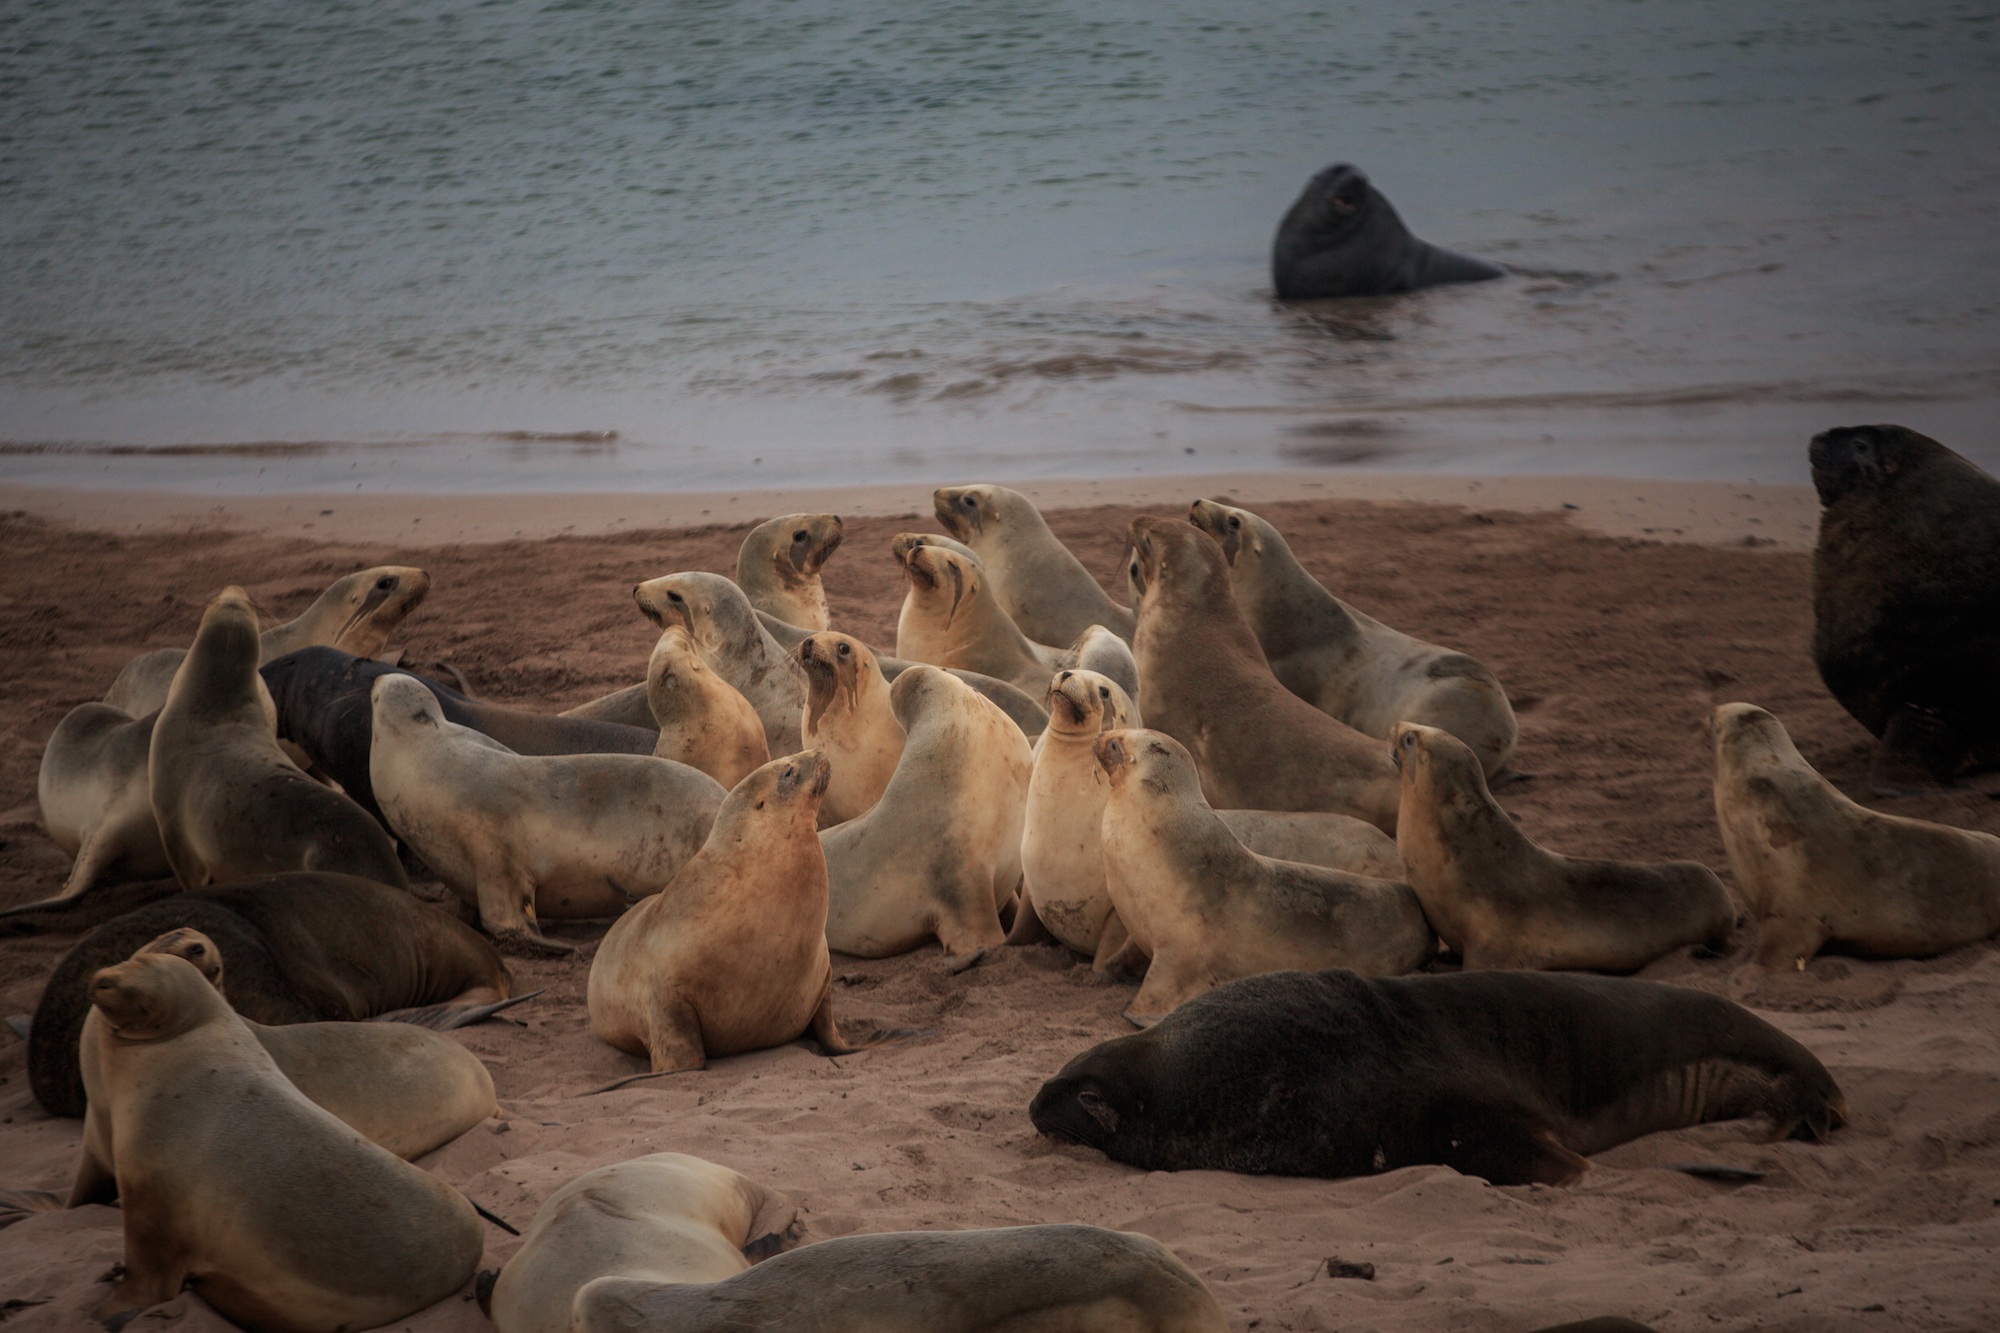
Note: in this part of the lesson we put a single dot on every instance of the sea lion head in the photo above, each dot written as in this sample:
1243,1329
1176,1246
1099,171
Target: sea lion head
153,996
1157,762
1234,530
942,580
1176,560
969,512
198,949
403,703
799,544
1428,756
1849,459
1335,203
836,666
794,783
1084,703
1102,1097
1734,728
376,601
221,666
920,688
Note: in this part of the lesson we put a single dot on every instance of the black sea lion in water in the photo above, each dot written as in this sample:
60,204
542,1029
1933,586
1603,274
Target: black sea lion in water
1514,1076
302,948
1343,238
1906,598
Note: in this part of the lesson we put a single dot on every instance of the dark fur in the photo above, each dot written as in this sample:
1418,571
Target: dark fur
297,948
1506,1075
1906,588
324,708
1342,238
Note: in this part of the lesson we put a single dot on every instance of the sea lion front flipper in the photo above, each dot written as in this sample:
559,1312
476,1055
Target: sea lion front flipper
154,1272
1787,943
1028,926
1169,982
1119,956
452,1013
95,1181
964,928
1515,1155
823,1031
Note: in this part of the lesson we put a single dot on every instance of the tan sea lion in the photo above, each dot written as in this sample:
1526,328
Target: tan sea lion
229,804
705,722
527,837
232,1182
848,716
1205,683
1501,901
731,956
778,567
356,614
666,1217
735,643
940,853
96,801
1039,584
1043,1279
1818,869
1345,663
1206,909
951,619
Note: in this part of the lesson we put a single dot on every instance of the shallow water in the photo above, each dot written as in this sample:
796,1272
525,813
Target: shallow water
523,245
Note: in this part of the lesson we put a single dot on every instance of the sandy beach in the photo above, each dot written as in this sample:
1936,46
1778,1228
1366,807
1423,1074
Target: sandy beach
1615,612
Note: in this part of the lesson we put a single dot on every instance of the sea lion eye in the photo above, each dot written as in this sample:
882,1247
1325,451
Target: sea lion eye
386,582
844,650
799,536
1103,693
1235,522
971,502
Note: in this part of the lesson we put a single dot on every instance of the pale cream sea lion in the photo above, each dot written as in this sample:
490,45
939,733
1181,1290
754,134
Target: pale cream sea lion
228,803
705,722
356,614
1345,663
1206,909
848,716
732,955
666,1217
1038,582
1818,869
1043,1279
233,1183
940,853
96,801
1205,683
527,837
778,567
1501,901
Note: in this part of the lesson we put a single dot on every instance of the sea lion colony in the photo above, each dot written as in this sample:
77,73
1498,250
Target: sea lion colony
1342,944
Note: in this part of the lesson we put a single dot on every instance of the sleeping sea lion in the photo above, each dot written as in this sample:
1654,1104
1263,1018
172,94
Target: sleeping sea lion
778,567
1044,1279
1906,599
1342,238
232,1182
527,837
357,613
666,1217
1501,901
1345,663
1514,1076
1206,909
848,717
940,852
302,948
705,722
1038,582
1205,682
229,803
1817,869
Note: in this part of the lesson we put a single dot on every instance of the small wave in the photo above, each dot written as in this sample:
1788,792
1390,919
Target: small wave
248,449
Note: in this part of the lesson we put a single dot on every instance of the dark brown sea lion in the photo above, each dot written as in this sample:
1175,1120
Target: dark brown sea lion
1514,1076
1342,238
1906,599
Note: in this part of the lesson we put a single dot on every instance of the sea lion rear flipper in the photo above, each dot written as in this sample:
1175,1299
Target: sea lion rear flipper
1028,927
452,1013
1119,956
18,1204
824,1031
1510,1155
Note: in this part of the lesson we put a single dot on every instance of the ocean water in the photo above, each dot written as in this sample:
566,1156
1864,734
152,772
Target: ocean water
717,243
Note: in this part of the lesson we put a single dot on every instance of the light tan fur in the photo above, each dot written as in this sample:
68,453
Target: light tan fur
96,801
848,715
1062,856
705,722
949,618
1038,582
778,567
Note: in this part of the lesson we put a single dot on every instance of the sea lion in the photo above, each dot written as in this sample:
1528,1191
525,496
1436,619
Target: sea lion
849,718
1906,599
940,852
666,1217
1041,1279
96,802
731,956
228,802
1818,869
1348,664
733,641
778,567
705,722
326,708
1514,1076
1501,901
357,613
232,1182
950,618
526,837
1342,238
1205,682
1206,909
302,948
1037,581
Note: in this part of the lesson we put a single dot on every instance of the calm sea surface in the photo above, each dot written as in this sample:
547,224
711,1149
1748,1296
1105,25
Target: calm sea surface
499,245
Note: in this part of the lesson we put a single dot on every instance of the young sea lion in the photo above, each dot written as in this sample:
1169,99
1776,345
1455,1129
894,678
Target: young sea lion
1347,664
778,567
705,722
1514,1076
228,802
733,641
1501,901
1205,682
1817,869
848,717
1341,237
1039,583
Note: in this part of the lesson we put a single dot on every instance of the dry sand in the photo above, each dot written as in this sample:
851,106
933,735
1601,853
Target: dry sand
1613,648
